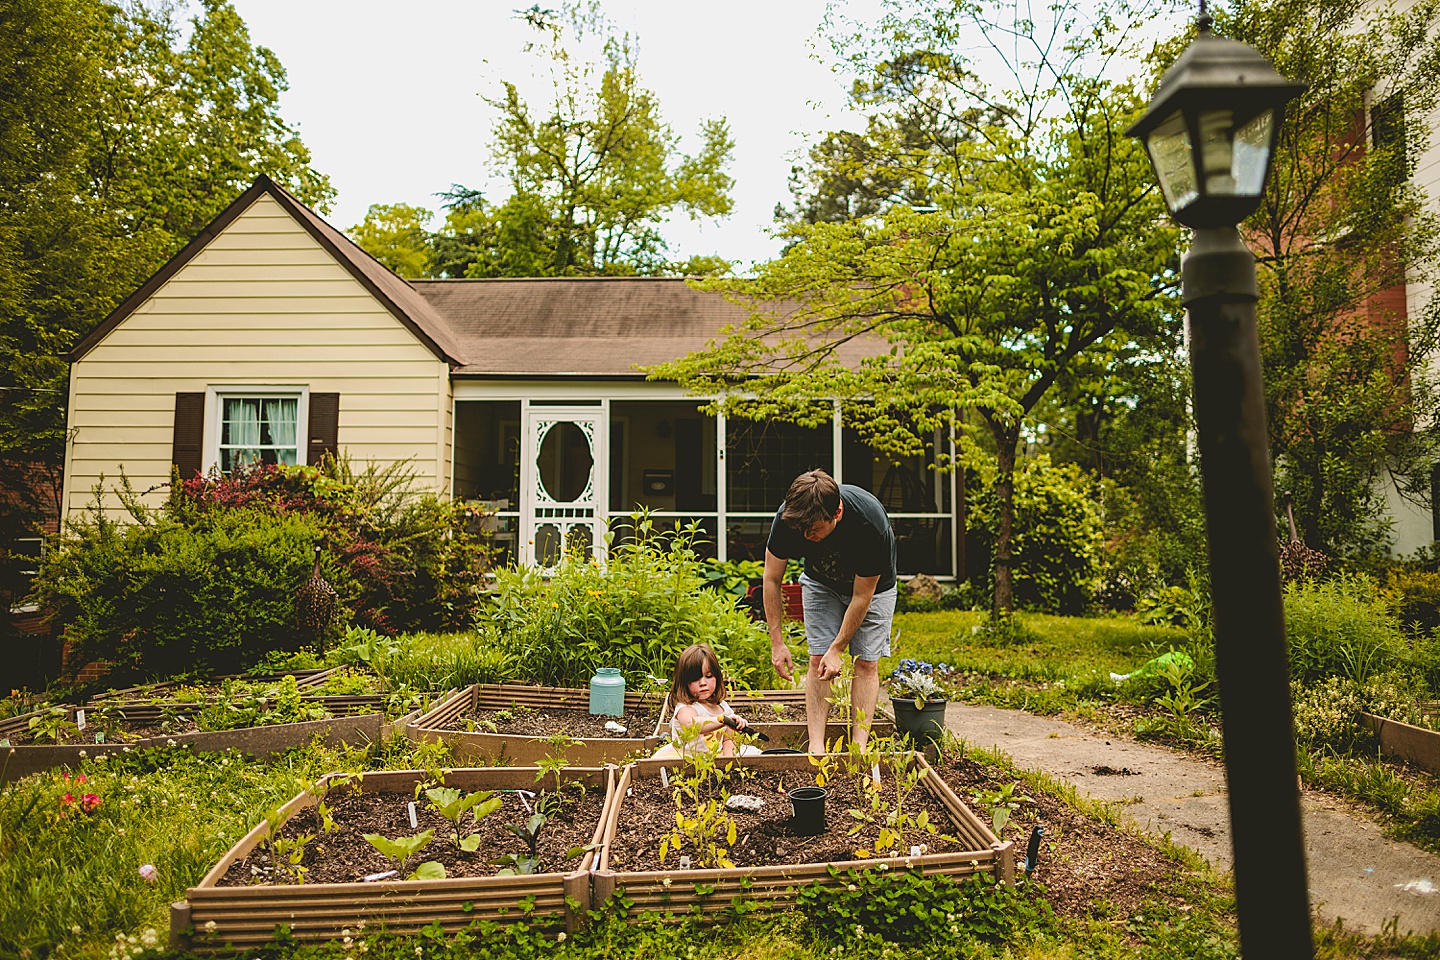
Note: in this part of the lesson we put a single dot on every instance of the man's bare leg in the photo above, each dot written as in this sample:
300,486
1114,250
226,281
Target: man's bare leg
864,691
817,705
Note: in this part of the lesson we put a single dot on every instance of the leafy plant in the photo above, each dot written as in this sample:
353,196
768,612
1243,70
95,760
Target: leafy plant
701,817
1341,627
452,804
1001,802
915,680
891,820
512,864
401,849
286,853
52,725
636,612
908,907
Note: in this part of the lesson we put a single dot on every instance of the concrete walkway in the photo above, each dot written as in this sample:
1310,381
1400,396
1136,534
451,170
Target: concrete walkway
1355,873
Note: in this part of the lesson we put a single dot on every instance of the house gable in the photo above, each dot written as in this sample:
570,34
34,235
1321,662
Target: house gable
260,301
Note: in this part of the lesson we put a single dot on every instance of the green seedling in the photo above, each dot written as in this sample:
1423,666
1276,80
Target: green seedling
401,849
1001,803
452,804
514,864
286,853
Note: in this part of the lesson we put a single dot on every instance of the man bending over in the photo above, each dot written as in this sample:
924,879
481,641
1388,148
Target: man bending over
848,589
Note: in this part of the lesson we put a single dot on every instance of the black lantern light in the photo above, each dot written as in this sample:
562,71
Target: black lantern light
1210,129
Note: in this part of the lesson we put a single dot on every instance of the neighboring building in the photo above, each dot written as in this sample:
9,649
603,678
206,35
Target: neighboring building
1414,527
273,336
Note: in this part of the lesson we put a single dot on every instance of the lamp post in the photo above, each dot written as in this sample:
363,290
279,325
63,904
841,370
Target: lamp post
1210,131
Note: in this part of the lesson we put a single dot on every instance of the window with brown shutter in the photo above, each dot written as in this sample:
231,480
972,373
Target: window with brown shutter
324,426
189,437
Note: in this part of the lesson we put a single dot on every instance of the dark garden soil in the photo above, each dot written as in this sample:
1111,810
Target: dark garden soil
531,722
766,837
345,856
1090,868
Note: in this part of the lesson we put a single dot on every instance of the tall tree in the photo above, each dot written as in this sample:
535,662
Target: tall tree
395,234
1349,391
118,142
593,174
1043,240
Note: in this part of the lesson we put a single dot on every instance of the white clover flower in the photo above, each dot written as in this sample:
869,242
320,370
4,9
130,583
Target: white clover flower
859,930
211,926
850,887
75,929
149,937
83,754
560,938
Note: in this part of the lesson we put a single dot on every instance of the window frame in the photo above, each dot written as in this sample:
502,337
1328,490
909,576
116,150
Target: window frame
217,394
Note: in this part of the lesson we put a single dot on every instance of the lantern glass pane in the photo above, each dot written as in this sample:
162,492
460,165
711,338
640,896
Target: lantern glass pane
1171,153
1252,154
1216,152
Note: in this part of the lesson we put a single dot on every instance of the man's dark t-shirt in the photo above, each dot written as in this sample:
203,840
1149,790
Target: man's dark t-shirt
861,545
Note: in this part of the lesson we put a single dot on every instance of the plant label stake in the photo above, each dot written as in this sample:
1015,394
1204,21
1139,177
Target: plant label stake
79,719
414,824
382,875
524,800
684,863
664,778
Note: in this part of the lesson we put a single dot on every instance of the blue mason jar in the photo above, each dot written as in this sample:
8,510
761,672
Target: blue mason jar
607,692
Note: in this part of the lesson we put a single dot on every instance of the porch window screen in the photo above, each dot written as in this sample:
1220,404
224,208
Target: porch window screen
258,430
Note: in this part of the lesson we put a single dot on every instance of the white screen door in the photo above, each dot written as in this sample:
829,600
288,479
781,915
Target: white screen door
565,469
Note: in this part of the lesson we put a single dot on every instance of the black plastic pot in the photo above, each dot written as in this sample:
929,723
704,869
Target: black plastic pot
921,725
809,806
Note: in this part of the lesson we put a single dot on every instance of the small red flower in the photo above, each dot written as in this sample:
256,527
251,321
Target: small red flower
67,799
81,779
90,802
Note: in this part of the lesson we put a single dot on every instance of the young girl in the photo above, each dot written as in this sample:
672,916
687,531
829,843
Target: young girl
700,713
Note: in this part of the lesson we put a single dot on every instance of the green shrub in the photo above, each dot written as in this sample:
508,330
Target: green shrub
1416,597
1325,715
636,611
207,582
1058,534
161,598
1341,627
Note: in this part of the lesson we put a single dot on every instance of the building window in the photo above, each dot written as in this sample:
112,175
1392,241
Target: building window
258,430
1387,127
257,426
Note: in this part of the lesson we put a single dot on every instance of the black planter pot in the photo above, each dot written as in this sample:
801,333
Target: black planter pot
809,806
922,724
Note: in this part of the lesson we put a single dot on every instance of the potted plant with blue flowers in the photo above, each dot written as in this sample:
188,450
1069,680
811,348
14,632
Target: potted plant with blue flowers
918,698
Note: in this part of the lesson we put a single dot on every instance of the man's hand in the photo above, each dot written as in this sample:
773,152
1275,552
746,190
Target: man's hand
780,660
829,665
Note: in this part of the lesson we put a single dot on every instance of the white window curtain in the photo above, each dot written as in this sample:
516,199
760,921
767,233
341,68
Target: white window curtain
258,430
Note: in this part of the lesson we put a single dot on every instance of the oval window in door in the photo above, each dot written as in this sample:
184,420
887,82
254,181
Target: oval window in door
564,462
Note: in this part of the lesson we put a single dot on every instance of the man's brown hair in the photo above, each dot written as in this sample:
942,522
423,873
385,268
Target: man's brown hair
813,497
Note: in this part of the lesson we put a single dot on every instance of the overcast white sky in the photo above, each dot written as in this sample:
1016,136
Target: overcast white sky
388,95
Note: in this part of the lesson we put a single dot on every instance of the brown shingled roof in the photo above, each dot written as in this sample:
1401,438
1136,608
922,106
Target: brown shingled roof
581,326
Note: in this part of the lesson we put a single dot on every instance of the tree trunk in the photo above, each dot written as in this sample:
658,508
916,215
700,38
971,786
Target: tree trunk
1006,440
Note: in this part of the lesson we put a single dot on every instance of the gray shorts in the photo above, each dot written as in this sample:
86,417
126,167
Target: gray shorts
825,611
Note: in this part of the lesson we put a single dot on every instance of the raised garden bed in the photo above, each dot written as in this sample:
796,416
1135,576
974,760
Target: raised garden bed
238,904
770,860
143,726
526,719
1405,741
780,715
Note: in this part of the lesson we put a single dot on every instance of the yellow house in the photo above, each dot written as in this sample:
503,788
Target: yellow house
273,337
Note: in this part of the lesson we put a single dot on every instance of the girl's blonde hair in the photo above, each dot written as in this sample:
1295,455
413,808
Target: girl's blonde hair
689,667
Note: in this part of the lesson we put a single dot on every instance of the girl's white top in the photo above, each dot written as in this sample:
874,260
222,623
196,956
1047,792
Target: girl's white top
703,712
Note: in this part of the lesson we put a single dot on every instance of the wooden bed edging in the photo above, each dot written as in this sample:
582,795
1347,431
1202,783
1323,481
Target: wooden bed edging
1404,741
679,895
512,748
25,759
246,916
